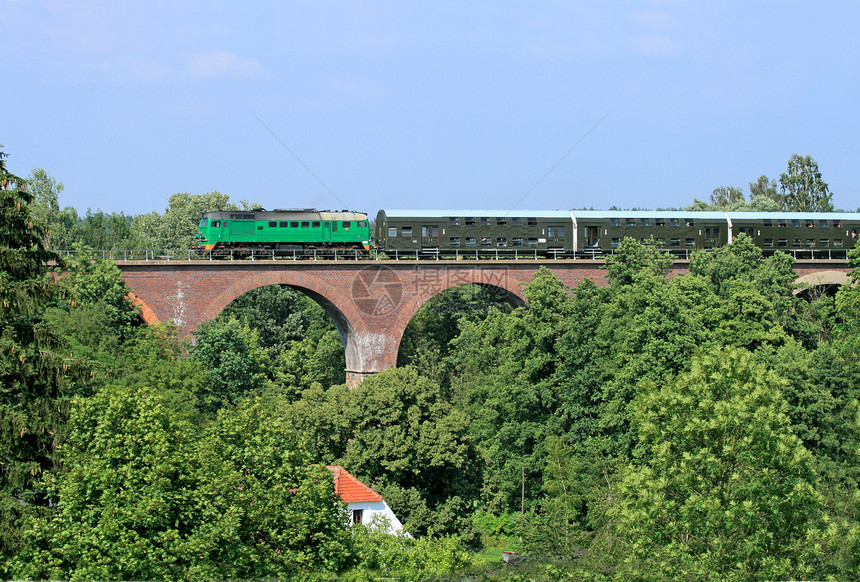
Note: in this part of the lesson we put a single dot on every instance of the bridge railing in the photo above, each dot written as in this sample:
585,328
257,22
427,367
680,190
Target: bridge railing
412,255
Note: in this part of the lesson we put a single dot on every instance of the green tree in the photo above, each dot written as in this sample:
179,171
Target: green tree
764,188
230,354
721,488
726,196
175,229
631,257
145,498
33,366
802,188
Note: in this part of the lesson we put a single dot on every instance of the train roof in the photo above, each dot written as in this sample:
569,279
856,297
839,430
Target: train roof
476,213
285,214
598,214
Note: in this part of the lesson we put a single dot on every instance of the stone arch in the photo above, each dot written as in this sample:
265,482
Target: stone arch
322,295
823,279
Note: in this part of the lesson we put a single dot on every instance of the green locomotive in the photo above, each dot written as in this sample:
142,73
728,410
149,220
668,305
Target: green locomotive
281,231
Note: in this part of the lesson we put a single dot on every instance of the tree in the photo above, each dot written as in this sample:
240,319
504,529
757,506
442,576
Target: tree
175,229
802,188
726,196
146,498
765,188
721,487
33,363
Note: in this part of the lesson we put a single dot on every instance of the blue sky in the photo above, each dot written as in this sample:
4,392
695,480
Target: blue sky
427,104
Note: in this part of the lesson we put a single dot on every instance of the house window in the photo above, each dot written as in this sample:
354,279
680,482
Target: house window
357,516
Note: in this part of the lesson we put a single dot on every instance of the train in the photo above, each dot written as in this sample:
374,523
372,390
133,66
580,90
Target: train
518,233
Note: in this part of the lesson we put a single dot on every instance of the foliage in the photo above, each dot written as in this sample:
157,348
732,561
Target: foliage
397,433
720,486
33,366
235,363
631,257
802,188
142,499
381,556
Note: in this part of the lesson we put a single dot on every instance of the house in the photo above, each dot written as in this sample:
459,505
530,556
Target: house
363,502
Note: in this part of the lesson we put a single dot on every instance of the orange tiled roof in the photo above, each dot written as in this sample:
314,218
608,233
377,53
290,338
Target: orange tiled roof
350,489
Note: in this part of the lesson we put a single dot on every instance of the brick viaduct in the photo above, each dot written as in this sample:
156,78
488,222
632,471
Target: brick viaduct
371,303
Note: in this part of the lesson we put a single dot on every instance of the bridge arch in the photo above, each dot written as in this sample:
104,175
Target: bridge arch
821,279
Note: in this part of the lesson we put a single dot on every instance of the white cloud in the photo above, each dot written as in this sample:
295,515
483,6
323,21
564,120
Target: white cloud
219,63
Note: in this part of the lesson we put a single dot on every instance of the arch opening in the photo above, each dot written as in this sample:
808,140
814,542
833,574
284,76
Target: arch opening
427,338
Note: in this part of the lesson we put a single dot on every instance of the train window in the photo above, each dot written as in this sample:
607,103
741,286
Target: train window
306,224
346,224
470,220
315,225
810,243
822,224
795,223
768,243
810,223
532,242
837,242
555,232
615,242
659,222
781,222
782,242
453,221
273,225
824,243
630,221
837,224
283,224
614,222
502,241
406,231
362,223
486,241
795,242
531,221
294,224
216,223
392,232
260,227
325,224
689,242
645,221
516,222
689,222
470,241
501,221
485,221
454,241
675,242
517,241
675,221
767,222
